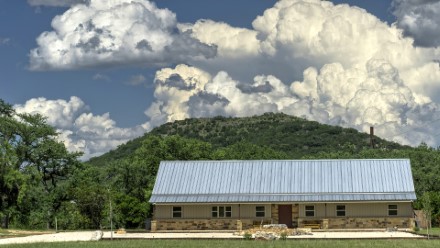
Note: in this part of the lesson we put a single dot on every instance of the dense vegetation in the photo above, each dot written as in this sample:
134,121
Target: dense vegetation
294,136
40,181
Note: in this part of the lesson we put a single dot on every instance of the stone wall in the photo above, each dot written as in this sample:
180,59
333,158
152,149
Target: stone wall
197,224
295,215
274,213
374,222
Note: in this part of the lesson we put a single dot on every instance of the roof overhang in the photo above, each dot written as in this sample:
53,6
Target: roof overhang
270,198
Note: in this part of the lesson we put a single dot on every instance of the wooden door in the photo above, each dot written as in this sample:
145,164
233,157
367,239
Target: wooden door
285,215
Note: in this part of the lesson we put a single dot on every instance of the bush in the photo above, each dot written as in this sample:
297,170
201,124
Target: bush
283,236
416,229
247,236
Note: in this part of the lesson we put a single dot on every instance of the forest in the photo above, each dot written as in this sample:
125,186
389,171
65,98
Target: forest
42,182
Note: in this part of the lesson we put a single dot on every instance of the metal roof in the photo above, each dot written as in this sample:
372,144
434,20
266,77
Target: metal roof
283,181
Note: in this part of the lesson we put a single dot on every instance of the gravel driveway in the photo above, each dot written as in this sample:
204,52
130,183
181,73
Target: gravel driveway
92,235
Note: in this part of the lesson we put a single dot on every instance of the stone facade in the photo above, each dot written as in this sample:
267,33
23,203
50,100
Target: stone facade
295,215
234,224
341,223
274,213
188,224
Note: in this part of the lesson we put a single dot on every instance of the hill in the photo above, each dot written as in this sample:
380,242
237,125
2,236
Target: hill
292,135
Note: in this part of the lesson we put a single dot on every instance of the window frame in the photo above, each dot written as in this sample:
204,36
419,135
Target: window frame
393,210
263,212
174,212
221,211
341,212
306,211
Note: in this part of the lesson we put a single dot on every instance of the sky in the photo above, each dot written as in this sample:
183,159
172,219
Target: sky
105,72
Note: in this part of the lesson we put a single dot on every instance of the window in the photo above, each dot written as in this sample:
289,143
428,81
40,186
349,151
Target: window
221,211
177,212
392,210
310,211
260,211
340,210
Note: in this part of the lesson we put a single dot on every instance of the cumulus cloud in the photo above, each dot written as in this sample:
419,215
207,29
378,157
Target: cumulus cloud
372,96
56,3
419,19
120,32
297,34
336,64
79,129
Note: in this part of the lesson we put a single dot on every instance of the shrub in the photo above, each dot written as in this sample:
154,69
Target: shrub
247,236
283,236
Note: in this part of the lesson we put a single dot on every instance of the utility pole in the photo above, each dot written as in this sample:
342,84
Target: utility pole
372,137
111,220
111,214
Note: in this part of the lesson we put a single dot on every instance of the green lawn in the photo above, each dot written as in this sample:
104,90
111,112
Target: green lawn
238,243
434,231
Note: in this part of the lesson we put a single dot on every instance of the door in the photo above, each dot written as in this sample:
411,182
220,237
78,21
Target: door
285,215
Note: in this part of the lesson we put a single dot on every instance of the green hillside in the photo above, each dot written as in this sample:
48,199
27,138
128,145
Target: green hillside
294,136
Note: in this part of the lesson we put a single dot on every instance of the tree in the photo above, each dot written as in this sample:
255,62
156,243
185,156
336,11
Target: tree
32,165
427,209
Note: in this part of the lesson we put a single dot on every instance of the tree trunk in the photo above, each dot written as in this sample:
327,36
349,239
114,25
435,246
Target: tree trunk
5,221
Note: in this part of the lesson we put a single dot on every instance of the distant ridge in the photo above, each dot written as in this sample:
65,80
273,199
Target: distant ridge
297,137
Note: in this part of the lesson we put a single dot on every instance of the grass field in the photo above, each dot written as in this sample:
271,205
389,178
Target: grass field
237,243
434,231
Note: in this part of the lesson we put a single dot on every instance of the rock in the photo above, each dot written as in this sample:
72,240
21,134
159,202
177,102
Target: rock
276,226
265,236
97,235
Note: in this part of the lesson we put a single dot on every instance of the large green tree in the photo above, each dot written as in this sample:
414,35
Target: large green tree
32,166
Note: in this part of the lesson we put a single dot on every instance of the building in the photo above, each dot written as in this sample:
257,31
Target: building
235,195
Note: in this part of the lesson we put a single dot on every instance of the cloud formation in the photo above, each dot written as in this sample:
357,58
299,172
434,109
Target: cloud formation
335,64
419,19
136,80
79,129
56,3
119,32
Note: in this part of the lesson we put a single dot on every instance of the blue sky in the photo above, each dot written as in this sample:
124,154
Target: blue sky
123,84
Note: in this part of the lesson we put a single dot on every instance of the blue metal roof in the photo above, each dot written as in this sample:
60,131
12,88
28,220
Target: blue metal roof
284,181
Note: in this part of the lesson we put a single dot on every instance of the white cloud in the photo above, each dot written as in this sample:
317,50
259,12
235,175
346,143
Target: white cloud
136,80
79,129
419,19
4,41
56,3
335,64
100,76
372,96
297,34
119,32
